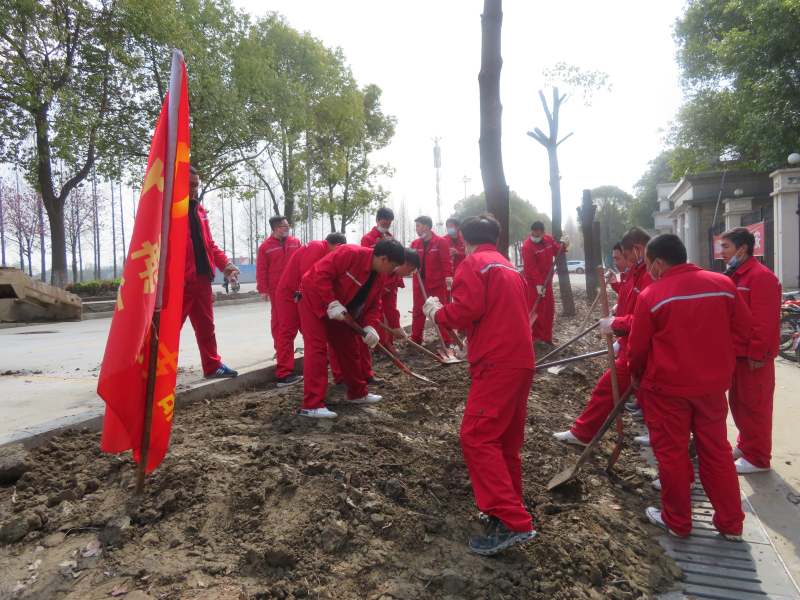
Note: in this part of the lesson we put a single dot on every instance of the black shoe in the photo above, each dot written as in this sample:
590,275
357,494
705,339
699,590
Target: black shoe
498,537
374,380
341,386
632,407
289,380
638,415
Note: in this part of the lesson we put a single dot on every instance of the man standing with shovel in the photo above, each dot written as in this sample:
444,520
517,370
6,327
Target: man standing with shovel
436,274
489,303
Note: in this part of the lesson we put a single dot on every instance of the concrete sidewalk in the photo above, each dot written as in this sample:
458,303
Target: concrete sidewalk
49,372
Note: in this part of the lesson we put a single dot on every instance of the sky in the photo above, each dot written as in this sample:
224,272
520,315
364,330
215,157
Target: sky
425,56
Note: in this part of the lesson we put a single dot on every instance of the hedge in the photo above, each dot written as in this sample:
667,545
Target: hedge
94,287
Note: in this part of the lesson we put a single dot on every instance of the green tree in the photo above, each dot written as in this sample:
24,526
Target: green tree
659,170
741,71
66,77
613,206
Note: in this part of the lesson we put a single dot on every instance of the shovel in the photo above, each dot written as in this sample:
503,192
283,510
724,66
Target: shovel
354,326
571,359
575,339
534,315
448,354
569,474
425,351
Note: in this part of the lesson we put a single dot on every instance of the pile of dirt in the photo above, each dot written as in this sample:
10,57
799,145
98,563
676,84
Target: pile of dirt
254,501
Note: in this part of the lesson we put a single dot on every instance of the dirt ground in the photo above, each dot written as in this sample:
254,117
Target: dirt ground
254,501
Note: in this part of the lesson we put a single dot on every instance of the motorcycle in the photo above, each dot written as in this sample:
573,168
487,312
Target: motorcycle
790,327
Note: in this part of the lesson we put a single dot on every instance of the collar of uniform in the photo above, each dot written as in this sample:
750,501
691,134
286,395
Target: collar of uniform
679,269
485,248
747,265
273,242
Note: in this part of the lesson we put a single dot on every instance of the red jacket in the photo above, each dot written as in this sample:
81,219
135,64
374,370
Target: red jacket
537,258
761,292
374,236
272,260
302,260
489,302
461,249
216,257
681,343
436,261
633,284
389,299
339,276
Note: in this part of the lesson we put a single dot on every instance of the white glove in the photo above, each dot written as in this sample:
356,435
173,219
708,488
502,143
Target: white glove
564,240
611,277
370,338
336,311
462,354
265,297
614,310
449,282
430,307
606,325
540,290
616,348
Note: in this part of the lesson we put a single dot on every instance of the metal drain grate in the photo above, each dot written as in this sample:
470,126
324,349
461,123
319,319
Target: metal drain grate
717,569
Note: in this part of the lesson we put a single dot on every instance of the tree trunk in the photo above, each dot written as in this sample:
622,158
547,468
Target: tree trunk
490,144
587,213
74,265
564,286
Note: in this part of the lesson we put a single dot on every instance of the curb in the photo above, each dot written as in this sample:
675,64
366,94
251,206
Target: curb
32,437
110,313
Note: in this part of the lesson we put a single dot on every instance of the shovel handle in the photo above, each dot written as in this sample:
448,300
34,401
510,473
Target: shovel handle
355,327
612,366
413,344
454,336
591,310
425,299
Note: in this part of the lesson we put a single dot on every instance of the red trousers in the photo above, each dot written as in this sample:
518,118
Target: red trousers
542,328
364,363
317,334
492,433
198,305
602,402
288,316
418,318
671,420
751,397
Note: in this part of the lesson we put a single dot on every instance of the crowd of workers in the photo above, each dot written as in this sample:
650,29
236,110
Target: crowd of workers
685,337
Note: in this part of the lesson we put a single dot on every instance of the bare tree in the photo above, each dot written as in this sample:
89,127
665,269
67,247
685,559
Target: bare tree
492,173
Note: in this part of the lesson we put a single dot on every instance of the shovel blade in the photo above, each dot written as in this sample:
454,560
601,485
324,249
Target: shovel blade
563,477
422,378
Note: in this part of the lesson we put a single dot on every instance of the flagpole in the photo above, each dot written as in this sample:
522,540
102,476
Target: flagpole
175,82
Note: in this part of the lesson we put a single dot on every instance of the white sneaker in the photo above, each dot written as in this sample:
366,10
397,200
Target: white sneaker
643,440
566,436
657,484
732,537
368,399
737,454
744,468
319,413
655,518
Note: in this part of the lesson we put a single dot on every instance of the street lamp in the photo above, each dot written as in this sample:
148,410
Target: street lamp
794,158
466,180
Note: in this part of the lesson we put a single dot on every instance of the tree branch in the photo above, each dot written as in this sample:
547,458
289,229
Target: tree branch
563,139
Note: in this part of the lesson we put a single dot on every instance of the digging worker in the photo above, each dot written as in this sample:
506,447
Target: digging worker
202,259
287,298
455,239
539,251
601,403
753,385
273,255
436,271
681,358
489,303
345,282
383,222
391,317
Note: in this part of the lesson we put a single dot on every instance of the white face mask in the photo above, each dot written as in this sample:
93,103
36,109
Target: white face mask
735,260
639,259
285,233
537,239
451,232
423,235
653,277
382,229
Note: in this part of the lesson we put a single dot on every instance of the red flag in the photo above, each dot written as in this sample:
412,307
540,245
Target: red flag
152,280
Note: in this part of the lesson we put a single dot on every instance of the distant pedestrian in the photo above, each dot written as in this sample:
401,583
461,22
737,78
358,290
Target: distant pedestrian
436,271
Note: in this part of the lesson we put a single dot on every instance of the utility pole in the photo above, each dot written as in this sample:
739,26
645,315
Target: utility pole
233,235
41,240
222,210
437,164
308,189
466,180
2,225
122,226
113,231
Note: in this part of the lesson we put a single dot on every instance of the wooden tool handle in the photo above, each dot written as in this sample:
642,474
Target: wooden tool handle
435,326
612,366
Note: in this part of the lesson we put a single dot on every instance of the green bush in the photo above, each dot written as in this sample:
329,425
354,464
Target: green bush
94,287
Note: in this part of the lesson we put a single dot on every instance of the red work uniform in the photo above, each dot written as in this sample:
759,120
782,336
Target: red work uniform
272,258
300,263
537,258
460,248
489,303
338,276
602,401
369,241
198,301
681,349
436,267
751,392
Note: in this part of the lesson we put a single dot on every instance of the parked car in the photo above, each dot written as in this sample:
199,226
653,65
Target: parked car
576,266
